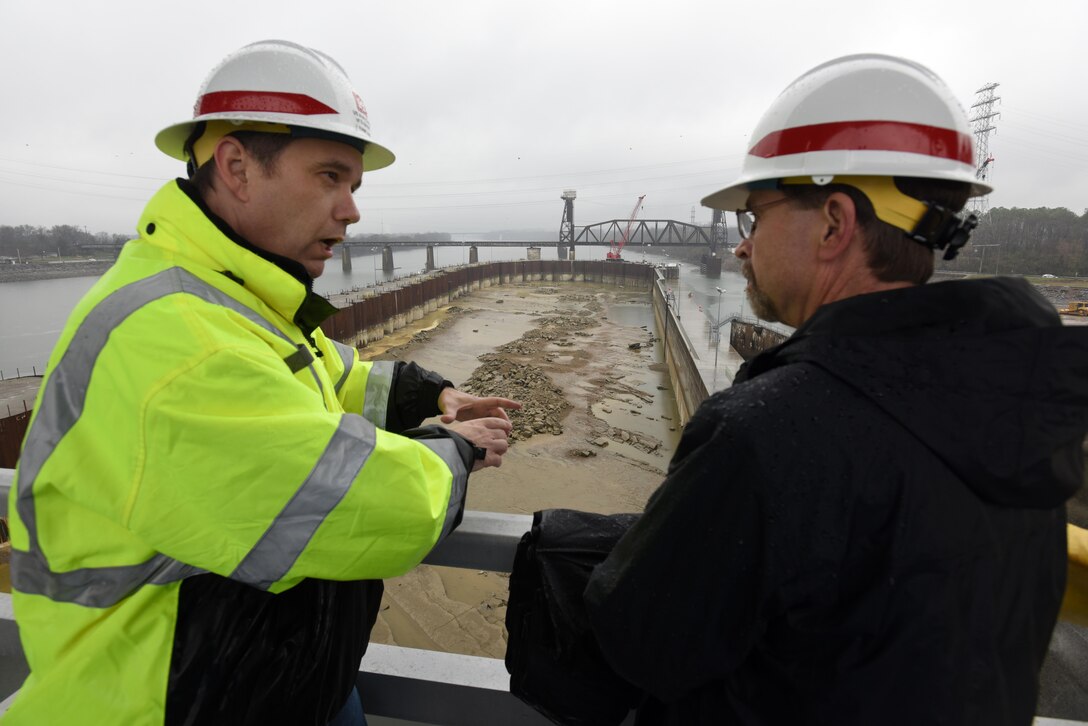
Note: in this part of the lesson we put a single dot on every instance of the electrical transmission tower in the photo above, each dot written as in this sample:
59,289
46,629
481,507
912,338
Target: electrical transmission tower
982,125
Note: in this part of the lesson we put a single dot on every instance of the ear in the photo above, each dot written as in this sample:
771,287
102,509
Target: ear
234,165
840,225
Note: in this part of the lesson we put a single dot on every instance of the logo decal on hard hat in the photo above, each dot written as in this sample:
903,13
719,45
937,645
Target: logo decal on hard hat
359,105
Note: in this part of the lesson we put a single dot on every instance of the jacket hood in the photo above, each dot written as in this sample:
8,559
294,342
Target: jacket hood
982,372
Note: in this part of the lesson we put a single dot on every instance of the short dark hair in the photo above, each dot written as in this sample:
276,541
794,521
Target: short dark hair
891,255
264,147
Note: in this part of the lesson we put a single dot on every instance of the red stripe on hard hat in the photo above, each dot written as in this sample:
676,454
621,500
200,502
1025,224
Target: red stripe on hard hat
868,136
260,101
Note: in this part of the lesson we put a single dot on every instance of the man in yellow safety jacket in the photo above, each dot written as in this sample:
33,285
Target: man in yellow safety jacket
209,485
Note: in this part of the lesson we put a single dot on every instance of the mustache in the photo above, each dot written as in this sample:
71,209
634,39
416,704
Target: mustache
746,271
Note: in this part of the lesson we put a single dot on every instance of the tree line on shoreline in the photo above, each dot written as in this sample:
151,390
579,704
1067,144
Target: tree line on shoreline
1017,241
1014,241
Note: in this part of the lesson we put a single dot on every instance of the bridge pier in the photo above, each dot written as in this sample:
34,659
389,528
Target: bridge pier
430,258
473,255
562,252
711,265
532,253
387,259
345,257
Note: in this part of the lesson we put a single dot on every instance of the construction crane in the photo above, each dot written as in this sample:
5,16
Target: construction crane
614,251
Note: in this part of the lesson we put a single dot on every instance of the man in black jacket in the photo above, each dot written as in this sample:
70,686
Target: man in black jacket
869,526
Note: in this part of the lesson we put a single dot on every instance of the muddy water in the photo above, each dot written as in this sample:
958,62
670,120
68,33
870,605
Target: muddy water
635,398
651,407
481,329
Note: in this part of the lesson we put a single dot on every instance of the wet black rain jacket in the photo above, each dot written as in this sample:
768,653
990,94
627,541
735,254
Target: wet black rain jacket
868,527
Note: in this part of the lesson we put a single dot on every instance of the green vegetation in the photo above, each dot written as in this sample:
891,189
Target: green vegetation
62,241
1029,242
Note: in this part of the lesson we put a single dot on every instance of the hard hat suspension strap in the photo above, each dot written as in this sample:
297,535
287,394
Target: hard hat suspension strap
924,222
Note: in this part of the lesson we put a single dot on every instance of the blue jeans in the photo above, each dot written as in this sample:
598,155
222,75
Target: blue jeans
352,712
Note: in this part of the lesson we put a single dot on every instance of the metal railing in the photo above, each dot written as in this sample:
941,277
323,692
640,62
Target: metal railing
408,684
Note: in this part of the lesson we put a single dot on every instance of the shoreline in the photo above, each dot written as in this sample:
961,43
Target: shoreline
33,271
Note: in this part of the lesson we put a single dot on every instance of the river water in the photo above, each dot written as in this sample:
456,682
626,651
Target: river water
33,313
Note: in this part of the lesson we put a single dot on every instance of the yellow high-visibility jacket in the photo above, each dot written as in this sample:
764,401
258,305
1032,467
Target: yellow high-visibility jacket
195,426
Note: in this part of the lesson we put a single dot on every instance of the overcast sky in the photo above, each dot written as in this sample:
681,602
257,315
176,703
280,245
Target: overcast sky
493,108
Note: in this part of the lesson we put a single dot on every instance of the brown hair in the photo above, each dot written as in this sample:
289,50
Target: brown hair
264,147
891,255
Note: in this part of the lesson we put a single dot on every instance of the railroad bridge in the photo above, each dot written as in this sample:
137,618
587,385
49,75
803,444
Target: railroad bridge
644,233
640,233
616,234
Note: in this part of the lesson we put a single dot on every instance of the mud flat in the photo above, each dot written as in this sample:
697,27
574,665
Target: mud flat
596,434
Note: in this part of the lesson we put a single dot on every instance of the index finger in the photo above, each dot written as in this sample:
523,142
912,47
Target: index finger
498,402
499,406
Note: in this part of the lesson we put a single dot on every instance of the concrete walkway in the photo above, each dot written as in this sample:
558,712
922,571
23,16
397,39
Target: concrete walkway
18,394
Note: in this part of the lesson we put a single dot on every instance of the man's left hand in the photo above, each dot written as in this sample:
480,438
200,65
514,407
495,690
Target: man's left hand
460,406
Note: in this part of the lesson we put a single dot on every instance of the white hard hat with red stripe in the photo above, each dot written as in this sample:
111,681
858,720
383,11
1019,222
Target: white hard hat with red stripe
861,116
276,86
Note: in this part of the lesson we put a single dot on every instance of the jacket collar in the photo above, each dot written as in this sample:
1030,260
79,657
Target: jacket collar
197,232
975,307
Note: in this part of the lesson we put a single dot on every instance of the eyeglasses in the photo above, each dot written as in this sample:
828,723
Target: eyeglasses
746,218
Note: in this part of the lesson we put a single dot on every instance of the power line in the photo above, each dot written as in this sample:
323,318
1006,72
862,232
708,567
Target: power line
82,171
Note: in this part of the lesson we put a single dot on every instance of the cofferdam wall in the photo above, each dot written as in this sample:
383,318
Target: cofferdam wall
687,383
385,311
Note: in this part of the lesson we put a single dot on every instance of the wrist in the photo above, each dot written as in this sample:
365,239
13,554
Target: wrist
442,395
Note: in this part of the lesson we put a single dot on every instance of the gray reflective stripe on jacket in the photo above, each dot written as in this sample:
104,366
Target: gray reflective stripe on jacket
61,405
447,449
378,384
283,542
347,356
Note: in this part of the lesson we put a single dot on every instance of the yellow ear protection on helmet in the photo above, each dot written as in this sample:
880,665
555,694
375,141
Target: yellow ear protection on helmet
927,223
200,146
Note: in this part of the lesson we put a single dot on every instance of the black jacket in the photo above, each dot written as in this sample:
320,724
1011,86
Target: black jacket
868,527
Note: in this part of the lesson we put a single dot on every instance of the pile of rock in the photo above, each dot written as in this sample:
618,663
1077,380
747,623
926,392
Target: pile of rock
639,440
544,405
553,329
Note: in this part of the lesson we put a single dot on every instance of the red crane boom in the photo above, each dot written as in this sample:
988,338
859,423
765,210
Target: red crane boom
615,249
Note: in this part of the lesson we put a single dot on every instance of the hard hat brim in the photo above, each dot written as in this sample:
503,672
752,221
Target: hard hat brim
735,196
171,141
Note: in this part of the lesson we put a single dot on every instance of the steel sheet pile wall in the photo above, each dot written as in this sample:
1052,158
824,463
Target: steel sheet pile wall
12,430
368,320
750,339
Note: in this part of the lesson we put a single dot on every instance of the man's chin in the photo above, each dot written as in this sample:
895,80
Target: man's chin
761,305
